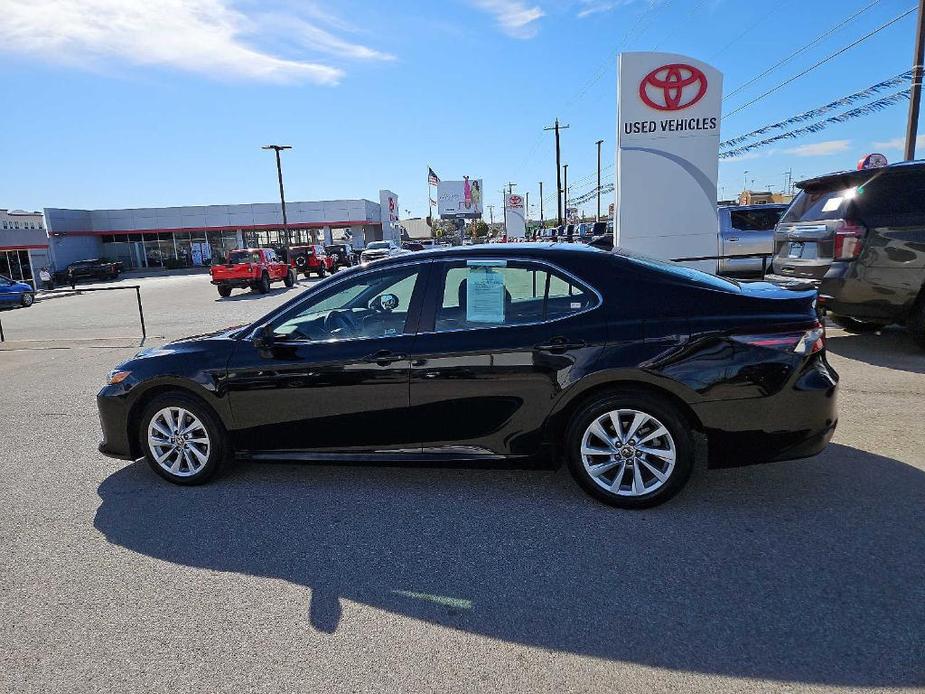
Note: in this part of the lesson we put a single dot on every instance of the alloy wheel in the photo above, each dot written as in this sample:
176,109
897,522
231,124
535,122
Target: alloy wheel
178,441
628,452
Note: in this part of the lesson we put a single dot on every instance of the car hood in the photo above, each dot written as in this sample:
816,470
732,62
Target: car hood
192,342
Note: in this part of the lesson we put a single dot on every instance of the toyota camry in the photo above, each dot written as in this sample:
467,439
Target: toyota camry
620,365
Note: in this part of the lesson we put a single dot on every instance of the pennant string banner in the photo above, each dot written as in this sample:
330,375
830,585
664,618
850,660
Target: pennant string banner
812,114
867,109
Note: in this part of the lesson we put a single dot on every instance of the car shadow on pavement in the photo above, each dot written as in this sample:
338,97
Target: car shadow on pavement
247,295
892,348
810,571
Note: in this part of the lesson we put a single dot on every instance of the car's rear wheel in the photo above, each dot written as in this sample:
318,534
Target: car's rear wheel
224,290
855,326
27,300
182,439
630,450
321,271
290,278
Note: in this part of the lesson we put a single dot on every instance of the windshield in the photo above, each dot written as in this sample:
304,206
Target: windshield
819,205
243,257
379,245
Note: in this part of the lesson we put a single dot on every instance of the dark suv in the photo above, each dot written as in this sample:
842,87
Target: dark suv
859,236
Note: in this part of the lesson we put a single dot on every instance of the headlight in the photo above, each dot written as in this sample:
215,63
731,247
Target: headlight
116,377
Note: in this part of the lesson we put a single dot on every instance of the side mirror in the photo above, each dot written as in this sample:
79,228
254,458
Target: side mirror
265,338
384,303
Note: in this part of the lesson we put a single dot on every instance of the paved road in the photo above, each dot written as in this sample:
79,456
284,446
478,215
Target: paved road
803,576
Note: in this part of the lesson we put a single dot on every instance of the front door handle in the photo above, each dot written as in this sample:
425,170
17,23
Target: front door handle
384,357
560,345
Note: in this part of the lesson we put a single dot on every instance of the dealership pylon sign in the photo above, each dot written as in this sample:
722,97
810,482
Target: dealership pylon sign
668,117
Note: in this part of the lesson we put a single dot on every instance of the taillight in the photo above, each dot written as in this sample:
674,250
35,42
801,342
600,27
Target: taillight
796,341
849,240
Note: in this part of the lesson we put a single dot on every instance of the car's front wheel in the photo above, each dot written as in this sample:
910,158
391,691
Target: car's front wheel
631,451
182,439
263,284
27,300
224,291
290,278
321,271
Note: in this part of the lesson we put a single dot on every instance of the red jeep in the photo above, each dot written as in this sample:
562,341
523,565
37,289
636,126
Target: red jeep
251,267
312,258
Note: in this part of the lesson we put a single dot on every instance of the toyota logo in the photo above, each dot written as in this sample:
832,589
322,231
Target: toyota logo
673,87
515,201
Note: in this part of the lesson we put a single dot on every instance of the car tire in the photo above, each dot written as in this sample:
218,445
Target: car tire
263,284
916,322
27,300
637,467
321,272
203,450
290,278
224,291
855,326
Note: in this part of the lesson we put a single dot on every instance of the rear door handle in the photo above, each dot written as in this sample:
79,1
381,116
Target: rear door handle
560,345
384,357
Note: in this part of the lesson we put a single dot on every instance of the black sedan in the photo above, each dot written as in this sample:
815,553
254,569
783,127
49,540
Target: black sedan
617,363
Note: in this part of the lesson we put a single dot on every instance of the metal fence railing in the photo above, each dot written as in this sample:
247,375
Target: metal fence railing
81,290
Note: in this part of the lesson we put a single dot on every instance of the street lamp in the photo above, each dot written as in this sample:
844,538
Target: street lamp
282,194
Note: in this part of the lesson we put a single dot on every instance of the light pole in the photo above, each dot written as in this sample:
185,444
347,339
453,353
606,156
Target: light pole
282,194
564,191
598,218
915,93
542,221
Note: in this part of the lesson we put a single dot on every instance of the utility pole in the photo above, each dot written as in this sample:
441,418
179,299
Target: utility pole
788,181
598,218
542,221
526,211
282,194
915,92
491,214
557,128
564,191
510,188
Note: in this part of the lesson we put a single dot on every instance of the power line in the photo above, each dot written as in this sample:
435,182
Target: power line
675,30
803,49
762,20
821,62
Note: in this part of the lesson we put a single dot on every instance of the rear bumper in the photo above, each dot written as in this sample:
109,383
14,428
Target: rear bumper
234,282
796,422
845,290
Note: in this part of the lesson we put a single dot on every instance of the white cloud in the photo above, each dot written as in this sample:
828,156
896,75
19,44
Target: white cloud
898,143
515,18
201,36
820,149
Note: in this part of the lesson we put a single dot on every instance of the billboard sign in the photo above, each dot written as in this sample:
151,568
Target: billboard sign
668,118
515,220
460,199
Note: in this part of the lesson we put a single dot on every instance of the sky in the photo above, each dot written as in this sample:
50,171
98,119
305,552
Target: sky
130,103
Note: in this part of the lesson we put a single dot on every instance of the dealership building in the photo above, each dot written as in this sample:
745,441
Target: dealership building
23,245
193,236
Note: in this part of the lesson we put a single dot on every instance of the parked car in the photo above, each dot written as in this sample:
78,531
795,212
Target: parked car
860,237
615,362
311,258
744,230
377,250
14,293
255,268
92,269
341,255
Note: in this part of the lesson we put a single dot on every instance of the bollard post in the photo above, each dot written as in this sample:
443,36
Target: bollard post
141,314
2,339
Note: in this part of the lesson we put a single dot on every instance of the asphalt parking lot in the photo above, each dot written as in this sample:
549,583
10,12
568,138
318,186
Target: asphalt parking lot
798,576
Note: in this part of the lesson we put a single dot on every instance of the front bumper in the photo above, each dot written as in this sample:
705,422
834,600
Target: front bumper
113,410
795,422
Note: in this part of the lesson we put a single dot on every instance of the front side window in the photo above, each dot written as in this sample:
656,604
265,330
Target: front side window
372,305
494,293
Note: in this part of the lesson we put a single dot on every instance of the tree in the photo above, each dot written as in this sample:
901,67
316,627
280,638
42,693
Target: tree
478,229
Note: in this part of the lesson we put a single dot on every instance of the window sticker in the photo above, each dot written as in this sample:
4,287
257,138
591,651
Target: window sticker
485,295
832,204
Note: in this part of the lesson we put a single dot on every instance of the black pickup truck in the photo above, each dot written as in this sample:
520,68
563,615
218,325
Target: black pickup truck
93,269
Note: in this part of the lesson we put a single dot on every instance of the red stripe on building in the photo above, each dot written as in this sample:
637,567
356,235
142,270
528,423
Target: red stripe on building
252,227
23,248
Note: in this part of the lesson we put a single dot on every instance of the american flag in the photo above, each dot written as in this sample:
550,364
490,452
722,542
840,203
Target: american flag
432,178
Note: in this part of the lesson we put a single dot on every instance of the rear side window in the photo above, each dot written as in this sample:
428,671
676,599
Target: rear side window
755,220
896,200
482,294
819,205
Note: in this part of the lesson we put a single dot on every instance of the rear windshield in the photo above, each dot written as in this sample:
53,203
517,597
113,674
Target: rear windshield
681,271
243,257
377,245
818,205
